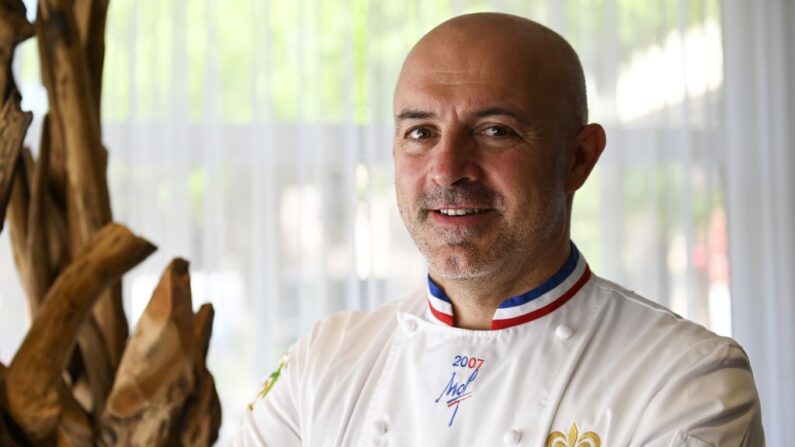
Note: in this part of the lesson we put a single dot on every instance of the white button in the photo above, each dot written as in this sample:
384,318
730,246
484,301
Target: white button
379,428
563,331
410,326
512,437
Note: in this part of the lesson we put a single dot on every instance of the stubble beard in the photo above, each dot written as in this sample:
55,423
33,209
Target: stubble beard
486,253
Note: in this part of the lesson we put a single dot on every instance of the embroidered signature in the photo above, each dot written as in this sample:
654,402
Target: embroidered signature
457,391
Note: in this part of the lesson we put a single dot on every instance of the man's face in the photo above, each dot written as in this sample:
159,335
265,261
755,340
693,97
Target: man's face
479,163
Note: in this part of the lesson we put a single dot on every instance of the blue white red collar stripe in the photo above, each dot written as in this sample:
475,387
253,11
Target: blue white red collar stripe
536,303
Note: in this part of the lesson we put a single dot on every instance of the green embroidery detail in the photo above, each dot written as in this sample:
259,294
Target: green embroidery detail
268,384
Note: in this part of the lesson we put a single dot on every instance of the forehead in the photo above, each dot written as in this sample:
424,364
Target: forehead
460,91
473,73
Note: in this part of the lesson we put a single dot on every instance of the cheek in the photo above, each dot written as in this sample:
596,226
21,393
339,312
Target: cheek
408,184
524,182
409,175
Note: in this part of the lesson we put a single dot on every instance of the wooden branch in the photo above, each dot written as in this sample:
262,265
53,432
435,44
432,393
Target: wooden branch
18,223
37,232
13,126
74,110
74,427
52,136
156,375
55,201
203,330
39,268
14,28
91,16
75,115
35,373
96,366
57,234
59,213
8,435
202,419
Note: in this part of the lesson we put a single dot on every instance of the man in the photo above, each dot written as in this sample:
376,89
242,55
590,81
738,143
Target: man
514,341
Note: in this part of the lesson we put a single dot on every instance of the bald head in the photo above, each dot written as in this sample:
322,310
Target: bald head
525,56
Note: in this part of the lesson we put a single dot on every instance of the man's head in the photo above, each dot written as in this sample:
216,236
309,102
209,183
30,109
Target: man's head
490,116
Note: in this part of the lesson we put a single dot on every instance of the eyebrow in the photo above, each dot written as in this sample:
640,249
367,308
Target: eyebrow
414,115
499,111
482,113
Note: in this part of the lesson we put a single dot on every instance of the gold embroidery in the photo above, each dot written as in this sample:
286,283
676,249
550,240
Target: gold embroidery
588,439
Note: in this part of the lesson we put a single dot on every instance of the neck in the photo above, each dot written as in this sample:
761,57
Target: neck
476,300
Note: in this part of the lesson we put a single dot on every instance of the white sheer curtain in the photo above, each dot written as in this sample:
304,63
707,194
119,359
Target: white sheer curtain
253,138
759,135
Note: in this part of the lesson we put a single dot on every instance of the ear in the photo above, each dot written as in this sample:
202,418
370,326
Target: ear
588,146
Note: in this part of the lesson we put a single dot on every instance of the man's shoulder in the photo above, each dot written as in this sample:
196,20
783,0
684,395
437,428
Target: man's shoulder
354,319
644,325
358,329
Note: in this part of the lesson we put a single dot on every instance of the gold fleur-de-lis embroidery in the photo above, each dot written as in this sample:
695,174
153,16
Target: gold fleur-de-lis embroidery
588,439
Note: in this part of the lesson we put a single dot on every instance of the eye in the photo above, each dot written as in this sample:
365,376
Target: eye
418,133
498,131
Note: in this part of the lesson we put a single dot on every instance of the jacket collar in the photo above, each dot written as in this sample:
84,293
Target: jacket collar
532,305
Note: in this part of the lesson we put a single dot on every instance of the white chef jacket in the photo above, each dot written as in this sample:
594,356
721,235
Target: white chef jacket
576,362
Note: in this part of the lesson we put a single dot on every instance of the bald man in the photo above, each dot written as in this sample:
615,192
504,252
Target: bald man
514,341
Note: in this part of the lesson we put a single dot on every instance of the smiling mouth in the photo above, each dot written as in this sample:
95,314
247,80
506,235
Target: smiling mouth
461,211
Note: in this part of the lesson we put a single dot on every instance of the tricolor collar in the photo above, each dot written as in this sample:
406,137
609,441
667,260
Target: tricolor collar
536,303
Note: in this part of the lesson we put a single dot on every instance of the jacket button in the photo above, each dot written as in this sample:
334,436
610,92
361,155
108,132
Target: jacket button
410,326
563,332
512,437
379,428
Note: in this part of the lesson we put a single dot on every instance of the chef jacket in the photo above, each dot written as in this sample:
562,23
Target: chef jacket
576,362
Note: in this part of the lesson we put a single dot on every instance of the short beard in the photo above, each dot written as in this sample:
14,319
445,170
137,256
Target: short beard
472,264
451,255
460,267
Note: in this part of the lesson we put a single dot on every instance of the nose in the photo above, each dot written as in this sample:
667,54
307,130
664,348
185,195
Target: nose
455,160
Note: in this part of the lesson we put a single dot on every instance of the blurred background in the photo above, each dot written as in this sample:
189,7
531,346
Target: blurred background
253,138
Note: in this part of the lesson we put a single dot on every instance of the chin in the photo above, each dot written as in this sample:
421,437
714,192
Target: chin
461,268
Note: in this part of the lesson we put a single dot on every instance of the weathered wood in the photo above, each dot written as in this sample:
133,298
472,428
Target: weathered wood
156,374
18,221
13,125
203,330
14,28
47,246
8,437
74,114
96,366
91,17
202,419
59,217
35,374
74,428
56,229
65,60
39,267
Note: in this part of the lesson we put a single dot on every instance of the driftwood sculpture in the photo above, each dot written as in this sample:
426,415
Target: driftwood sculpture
77,380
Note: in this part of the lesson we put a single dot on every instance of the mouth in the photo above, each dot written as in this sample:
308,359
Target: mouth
460,211
461,217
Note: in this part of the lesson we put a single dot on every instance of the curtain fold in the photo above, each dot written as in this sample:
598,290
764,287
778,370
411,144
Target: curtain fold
759,142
